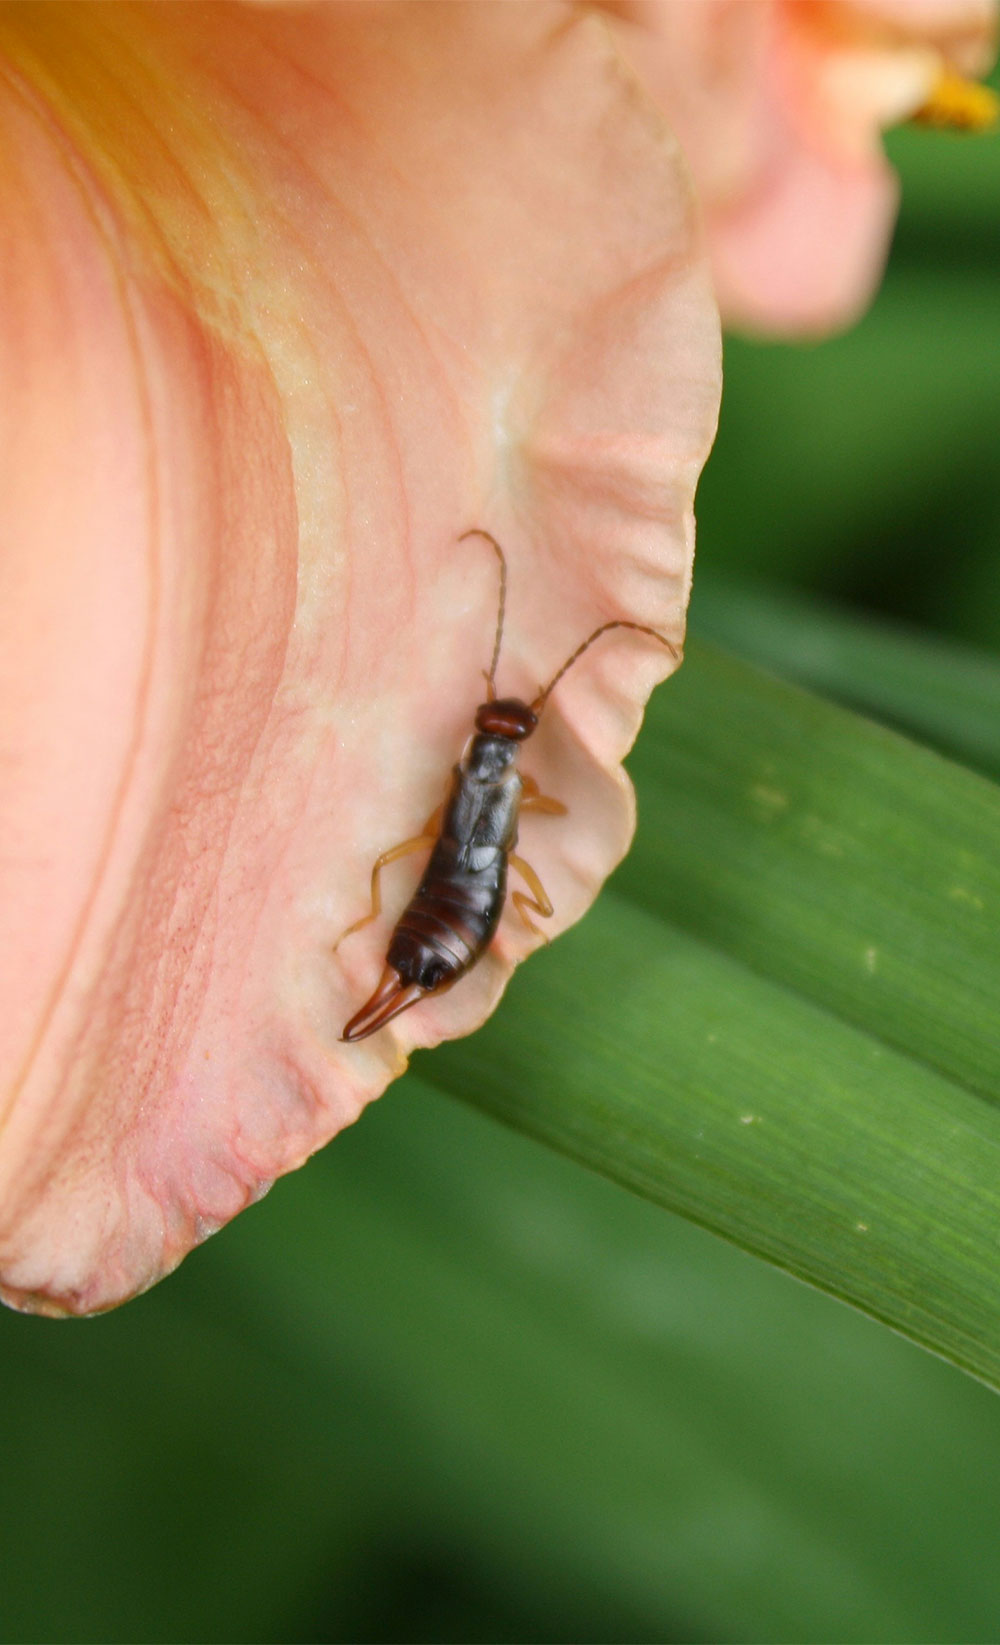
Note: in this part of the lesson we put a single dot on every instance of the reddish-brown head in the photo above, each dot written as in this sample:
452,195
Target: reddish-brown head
506,717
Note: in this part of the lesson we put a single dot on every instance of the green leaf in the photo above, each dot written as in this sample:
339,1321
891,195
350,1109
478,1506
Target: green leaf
633,1431
781,1020
941,692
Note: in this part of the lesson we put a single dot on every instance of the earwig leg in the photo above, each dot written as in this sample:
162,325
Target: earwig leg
532,800
544,803
538,902
420,842
432,827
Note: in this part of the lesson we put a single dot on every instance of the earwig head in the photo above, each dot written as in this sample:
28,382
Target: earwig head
506,717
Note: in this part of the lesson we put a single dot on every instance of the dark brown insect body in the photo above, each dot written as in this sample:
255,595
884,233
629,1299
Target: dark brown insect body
451,918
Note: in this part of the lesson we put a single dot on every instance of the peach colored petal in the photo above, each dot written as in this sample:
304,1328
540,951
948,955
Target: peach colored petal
290,299
780,106
963,31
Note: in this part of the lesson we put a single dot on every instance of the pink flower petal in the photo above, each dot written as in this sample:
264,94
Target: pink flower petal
291,299
780,106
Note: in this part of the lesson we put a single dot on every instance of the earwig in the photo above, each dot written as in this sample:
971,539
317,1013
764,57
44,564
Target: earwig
451,918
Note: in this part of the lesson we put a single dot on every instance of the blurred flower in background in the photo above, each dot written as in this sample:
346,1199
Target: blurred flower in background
780,106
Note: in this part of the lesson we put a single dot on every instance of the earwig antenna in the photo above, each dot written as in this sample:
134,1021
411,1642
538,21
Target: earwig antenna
640,628
492,675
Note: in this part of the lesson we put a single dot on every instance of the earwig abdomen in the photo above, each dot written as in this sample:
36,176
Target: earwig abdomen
449,922
451,918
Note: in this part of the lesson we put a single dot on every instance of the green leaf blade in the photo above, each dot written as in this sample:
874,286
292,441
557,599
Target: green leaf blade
941,692
753,1112
830,854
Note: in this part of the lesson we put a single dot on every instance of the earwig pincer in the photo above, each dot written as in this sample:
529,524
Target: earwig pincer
451,918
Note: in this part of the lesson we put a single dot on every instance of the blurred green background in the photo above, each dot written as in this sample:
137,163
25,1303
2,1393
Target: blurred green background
446,1385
